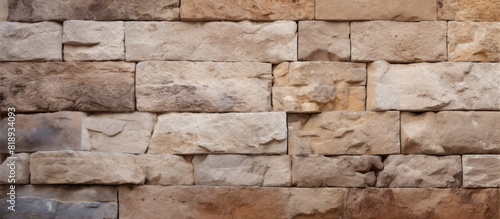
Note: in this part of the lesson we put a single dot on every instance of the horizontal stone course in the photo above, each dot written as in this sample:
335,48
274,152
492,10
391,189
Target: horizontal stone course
474,41
481,171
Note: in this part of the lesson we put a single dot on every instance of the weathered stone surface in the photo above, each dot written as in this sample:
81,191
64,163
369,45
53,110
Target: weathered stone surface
120,132
203,86
40,10
423,203
474,41
166,169
45,132
30,42
70,167
420,171
56,86
47,202
20,163
331,133
339,171
242,170
248,133
91,40
4,10
433,86
319,86
230,202
469,10
398,41
324,41
481,170
222,41
400,10
450,132
260,10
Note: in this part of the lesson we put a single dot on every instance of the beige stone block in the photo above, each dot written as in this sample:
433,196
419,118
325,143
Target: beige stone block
4,10
481,171
474,41
324,41
166,169
469,10
15,169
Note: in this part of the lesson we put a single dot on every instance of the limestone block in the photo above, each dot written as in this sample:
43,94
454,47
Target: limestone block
469,10
474,41
20,164
166,169
481,171
324,41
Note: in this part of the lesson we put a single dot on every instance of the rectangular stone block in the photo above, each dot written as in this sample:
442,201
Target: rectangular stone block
41,10
469,10
474,41
260,10
231,133
221,41
94,41
423,203
420,171
398,41
61,202
324,41
242,170
45,132
120,132
56,86
450,132
203,87
166,169
30,42
400,10
319,86
433,86
339,171
335,133
230,202
481,171
15,169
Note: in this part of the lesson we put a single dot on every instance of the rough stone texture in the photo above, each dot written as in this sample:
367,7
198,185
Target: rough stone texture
398,41
56,86
48,202
324,41
339,171
319,86
221,41
260,10
423,203
40,10
469,10
30,42
242,170
331,133
248,133
420,171
474,41
91,40
4,10
45,132
450,133
70,167
481,170
120,132
399,10
433,86
230,202
166,169
21,167
203,86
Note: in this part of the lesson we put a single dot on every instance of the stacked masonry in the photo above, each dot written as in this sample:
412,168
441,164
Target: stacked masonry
252,109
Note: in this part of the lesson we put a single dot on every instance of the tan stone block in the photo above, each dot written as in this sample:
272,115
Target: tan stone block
342,132
231,133
4,10
166,169
400,10
244,41
91,40
30,42
474,41
398,41
433,86
56,86
469,10
15,169
481,171
420,171
324,41
260,10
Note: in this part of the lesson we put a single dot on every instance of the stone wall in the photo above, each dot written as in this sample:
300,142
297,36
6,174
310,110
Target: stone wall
250,109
